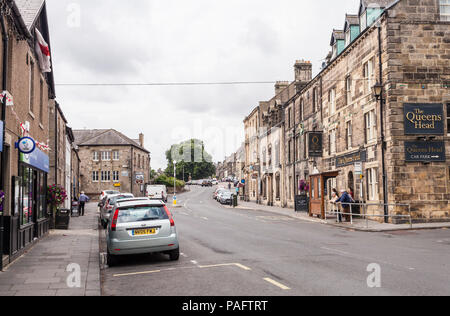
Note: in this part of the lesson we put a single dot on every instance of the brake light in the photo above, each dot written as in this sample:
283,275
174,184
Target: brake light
172,222
114,220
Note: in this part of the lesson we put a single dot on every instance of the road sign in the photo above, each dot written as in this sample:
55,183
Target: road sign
358,168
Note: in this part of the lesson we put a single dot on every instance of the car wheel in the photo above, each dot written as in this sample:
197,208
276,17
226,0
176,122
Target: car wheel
112,260
174,254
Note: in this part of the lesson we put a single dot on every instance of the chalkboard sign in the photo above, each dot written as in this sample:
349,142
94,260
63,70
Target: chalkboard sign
302,203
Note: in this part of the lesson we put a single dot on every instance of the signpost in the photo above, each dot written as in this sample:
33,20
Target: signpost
315,144
421,151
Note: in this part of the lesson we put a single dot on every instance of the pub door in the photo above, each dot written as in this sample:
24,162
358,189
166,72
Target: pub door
316,201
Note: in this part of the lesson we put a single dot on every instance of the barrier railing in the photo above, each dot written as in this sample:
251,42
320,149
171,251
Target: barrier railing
365,214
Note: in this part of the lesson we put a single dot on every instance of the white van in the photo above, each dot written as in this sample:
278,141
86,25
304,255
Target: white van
157,192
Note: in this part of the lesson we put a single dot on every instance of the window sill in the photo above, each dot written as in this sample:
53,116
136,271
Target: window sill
32,115
41,126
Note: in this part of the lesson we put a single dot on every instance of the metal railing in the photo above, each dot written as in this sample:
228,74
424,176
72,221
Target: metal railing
365,215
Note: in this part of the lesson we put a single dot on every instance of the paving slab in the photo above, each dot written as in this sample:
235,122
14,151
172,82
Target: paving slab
43,270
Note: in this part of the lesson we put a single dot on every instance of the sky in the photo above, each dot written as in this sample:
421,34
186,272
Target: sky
182,41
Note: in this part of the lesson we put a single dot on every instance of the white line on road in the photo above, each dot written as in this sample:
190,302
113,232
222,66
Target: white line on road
281,286
136,273
226,265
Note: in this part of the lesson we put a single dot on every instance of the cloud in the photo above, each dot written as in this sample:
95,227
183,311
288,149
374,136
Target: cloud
182,41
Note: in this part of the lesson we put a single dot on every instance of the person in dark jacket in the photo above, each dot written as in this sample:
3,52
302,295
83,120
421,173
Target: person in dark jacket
335,196
344,200
83,200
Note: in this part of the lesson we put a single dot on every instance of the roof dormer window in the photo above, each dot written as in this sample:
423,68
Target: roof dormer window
363,21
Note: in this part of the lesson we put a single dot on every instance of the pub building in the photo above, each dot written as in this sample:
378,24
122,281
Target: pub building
30,87
386,115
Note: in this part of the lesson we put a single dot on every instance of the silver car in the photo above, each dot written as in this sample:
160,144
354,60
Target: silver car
108,206
141,226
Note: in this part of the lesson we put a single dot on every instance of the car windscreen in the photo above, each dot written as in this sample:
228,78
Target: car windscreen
114,200
141,214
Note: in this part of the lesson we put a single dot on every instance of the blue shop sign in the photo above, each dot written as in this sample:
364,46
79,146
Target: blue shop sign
37,159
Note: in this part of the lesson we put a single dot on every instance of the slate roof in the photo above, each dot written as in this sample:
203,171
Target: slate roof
29,10
337,35
103,137
350,19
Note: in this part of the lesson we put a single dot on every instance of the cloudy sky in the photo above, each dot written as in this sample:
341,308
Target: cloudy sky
167,41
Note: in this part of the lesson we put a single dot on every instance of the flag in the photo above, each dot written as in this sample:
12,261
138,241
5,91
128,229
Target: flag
43,52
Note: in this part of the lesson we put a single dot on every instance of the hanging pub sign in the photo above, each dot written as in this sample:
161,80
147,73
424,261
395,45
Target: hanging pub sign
420,151
315,144
350,159
424,119
26,145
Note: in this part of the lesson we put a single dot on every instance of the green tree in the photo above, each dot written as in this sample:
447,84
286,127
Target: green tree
191,158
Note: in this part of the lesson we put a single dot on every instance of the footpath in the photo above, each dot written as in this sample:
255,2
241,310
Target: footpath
65,263
358,223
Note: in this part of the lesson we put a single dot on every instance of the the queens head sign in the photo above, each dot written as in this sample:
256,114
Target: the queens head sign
424,119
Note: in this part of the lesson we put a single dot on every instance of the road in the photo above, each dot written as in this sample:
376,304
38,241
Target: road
232,252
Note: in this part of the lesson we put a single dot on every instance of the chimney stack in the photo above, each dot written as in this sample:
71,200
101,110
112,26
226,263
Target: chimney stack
141,140
280,86
303,71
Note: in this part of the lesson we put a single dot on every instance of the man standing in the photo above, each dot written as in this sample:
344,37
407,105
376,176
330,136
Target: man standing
83,199
344,199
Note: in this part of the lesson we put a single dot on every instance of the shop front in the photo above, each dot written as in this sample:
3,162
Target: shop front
29,219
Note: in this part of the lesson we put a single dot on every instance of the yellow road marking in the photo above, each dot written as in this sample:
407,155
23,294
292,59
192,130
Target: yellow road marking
136,273
281,286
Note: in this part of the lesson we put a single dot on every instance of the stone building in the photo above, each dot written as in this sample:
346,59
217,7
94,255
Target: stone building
252,162
112,161
30,90
341,132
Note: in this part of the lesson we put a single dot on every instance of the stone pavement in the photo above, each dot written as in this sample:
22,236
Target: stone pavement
358,224
42,271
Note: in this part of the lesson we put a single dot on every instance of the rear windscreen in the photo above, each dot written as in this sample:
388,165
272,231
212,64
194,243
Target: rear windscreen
141,214
114,200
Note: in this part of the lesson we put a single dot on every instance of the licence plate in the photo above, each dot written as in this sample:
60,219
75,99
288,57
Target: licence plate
143,232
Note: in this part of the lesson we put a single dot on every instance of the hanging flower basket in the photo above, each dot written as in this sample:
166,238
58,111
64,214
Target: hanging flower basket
56,196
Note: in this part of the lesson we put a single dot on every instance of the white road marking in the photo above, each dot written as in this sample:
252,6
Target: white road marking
226,265
194,262
281,286
183,255
136,273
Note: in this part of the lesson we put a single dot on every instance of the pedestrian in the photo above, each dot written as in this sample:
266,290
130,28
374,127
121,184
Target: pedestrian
83,199
229,185
344,200
334,197
352,195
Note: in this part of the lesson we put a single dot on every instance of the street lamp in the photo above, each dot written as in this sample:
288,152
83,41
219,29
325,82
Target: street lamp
377,91
174,183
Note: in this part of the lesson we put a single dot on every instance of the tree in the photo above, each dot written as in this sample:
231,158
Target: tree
191,158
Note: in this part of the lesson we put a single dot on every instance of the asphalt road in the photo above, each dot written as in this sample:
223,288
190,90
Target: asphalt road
231,252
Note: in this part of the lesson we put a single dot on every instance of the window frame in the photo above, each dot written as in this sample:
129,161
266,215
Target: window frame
349,135
116,155
445,17
448,119
106,154
95,177
116,176
96,156
332,101
372,184
370,127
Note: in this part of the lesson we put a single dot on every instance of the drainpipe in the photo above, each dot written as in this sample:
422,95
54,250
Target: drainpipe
383,141
3,165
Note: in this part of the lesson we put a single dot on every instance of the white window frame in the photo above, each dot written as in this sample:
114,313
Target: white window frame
333,147
106,176
372,180
349,134
106,156
95,156
116,176
95,176
332,102
371,126
363,21
116,155
348,90
444,9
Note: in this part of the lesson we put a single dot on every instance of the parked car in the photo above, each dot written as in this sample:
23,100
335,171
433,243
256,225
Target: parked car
106,193
217,192
157,192
207,183
225,197
105,211
139,227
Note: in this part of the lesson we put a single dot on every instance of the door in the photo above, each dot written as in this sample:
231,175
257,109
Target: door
315,196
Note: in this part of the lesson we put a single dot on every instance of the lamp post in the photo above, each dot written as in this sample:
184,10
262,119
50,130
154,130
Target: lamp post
377,90
174,183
